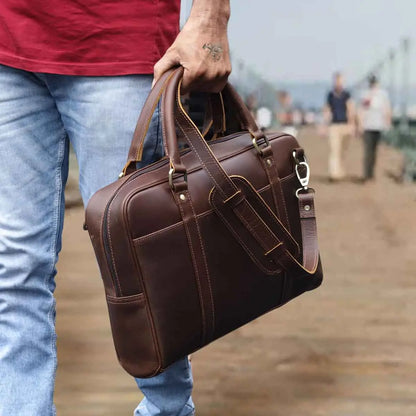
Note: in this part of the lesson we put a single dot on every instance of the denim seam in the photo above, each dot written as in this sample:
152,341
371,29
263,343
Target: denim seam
55,236
191,408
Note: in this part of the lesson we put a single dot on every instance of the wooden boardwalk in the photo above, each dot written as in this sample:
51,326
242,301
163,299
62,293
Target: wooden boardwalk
347,349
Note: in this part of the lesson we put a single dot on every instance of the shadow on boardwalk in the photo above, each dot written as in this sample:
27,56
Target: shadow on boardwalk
347,349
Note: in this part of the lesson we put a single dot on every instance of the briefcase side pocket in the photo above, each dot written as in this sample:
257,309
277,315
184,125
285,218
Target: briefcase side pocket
134,337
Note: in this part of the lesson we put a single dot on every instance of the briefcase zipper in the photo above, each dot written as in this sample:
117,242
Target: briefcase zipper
107,248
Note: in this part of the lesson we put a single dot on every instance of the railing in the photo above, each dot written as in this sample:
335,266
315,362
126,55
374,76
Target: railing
403,137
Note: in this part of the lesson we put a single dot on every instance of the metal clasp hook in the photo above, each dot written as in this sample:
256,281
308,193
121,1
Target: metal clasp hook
172,172
303,179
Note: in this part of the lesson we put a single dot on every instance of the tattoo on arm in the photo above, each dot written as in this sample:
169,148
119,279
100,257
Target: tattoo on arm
214,50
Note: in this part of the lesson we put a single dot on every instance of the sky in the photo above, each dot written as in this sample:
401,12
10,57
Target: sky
308,40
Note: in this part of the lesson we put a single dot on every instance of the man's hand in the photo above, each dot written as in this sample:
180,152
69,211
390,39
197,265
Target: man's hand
201,48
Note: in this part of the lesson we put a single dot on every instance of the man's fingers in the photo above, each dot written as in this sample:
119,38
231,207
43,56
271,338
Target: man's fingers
199,74
166,62
209,81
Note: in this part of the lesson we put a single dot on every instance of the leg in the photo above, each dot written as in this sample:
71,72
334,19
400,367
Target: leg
375,139
34,162
100,115
345,142
367,154
335,152
371,140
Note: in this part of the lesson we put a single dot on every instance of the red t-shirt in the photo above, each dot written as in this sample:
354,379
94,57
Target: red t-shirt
86,37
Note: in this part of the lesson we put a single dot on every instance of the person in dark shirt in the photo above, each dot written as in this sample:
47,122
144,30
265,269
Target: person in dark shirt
339,113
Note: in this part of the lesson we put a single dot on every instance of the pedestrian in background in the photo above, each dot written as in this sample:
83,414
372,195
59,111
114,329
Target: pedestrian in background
339,113
374,118
286,113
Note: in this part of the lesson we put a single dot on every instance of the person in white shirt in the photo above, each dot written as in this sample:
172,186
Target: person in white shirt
374,118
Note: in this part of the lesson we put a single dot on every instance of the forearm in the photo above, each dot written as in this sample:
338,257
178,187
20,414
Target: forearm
211,12
201,48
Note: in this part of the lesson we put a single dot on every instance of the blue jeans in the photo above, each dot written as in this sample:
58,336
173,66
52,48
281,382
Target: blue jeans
39,115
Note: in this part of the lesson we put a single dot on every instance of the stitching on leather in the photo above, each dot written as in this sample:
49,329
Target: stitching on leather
264,206
126,299
279,189
232,196
245,180
204,144
111,246
156,346
273,249
250,228
283,204
153,234
307,231
147,308
199,158
164,140
276,203
103,249
205,262
133,253
149,314
209,153
142,138
118,190
240,241
276,186
197,168
195,264
247,249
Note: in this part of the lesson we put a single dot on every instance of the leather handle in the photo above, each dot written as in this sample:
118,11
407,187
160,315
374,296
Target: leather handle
240,110
143,123
218,116
215,116
237,106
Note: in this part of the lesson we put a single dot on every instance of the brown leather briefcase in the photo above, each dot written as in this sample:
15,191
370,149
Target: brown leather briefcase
204,240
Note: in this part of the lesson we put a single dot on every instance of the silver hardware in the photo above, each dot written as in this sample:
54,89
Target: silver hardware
121,174
303,180
257,147
307,207
182,197
171,173
269,162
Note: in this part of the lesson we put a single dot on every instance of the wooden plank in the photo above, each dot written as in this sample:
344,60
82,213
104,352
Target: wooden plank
346,349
